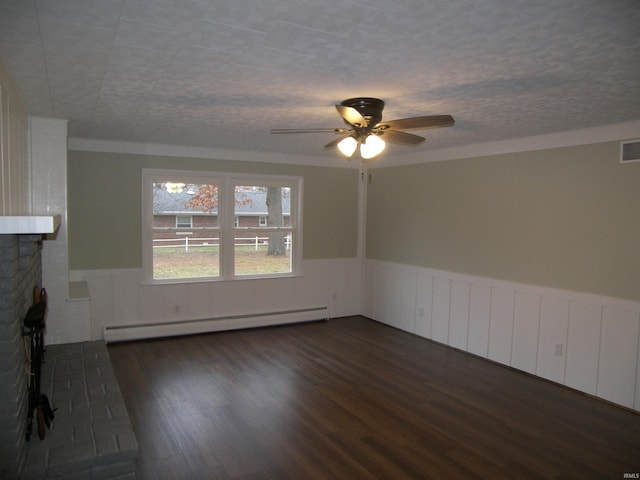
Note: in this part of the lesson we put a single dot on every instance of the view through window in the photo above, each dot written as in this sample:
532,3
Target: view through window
212,226
262,249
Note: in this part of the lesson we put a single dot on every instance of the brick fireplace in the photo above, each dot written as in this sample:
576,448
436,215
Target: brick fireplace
91,436
20,271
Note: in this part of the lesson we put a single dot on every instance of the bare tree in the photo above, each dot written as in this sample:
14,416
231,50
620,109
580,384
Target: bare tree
275,219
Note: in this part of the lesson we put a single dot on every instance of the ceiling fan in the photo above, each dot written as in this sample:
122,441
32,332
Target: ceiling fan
365,128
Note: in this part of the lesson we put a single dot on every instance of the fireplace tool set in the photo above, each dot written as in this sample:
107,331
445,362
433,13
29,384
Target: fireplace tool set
33,333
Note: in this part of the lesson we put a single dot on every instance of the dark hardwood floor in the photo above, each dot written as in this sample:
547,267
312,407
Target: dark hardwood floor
354,399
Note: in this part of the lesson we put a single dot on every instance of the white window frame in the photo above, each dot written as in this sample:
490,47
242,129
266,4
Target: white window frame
226,219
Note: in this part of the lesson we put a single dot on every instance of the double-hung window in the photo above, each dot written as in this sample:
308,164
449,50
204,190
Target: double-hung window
184,221
200,226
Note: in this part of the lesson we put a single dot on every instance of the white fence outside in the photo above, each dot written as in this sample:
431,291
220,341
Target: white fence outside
189,242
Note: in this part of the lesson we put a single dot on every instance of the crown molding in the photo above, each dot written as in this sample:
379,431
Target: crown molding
570,138
113,146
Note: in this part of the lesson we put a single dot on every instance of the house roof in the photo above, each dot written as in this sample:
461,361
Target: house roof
253,203
221,74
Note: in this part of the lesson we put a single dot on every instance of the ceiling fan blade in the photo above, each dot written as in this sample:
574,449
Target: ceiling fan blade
335,142
351,116
418,123
308,130
395,136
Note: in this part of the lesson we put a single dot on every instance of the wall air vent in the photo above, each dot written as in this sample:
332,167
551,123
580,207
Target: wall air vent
630,151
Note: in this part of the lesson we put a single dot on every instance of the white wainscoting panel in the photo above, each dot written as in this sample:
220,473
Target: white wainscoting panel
479,319
552,344
407,301
440,309
583,347
152,304
101,304
526,327
127,301
391,296
459,314
199,300
368,294
176,302
585,341
617,374
424,300
385,289
501,325
119,299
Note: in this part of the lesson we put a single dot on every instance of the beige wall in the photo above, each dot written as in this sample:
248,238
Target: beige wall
104,202
567,218
14,171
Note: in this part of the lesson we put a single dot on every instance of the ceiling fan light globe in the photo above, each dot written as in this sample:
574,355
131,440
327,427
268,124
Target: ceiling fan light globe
371,147
347,147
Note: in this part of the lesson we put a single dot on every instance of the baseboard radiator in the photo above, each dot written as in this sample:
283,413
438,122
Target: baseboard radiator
120,333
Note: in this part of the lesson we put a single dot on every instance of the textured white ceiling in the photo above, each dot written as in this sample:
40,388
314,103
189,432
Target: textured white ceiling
222,73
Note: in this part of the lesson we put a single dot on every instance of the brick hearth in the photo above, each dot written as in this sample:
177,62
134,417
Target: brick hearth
91,436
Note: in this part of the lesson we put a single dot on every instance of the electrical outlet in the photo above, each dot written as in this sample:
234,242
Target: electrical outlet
558,349
176,309
421,311
334,296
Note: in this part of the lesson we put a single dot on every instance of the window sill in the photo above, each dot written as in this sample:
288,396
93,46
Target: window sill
242,278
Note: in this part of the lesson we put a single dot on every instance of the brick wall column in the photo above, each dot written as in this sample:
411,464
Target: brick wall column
20,271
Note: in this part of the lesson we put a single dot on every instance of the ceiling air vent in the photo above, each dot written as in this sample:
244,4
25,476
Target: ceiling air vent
630,151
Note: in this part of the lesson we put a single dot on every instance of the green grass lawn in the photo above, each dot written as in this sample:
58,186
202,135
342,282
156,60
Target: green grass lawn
201,262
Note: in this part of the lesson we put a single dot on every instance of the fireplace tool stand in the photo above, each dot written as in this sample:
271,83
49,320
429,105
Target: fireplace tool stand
33,332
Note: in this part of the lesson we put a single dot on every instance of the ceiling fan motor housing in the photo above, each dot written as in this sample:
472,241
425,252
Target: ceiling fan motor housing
369,108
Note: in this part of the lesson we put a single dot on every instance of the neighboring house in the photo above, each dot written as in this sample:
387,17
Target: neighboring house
171,210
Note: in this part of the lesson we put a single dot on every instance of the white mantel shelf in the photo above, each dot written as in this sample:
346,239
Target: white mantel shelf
29,224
